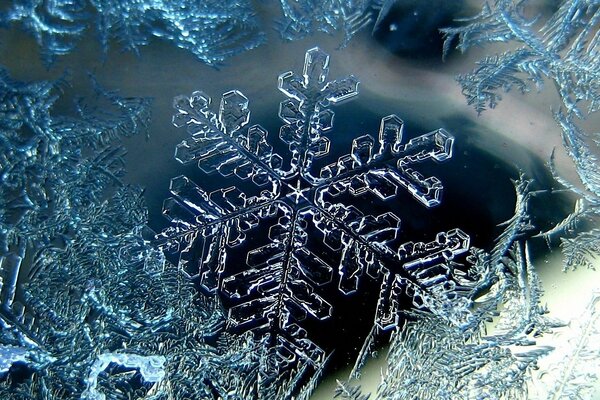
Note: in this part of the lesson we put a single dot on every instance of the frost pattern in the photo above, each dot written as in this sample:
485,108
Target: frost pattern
564,49
151,369
575,375
278,285
304,17
212,30
80,284
67,224
430,358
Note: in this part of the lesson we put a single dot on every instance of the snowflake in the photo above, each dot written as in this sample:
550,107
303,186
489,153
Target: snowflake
312,231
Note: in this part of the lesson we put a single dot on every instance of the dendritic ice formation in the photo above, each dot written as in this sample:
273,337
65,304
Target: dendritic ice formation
496,356
151,369
71,252
304,17
88,307
212,30
314,236
564,49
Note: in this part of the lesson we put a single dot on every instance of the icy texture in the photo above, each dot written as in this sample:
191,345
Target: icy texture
57,169
574,374
150,367
304,17
10,355
564,49
277,286
212,30
77,278
432,359
349,392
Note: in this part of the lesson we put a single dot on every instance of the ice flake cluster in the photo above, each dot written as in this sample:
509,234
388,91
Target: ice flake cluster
70,235
563,49
212,30
304,17
88,307
91,308
150,367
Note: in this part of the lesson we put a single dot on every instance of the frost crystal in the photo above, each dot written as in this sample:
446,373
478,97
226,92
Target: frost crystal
77,278
314,238
564,49
87,306
50,184
304,17
430,358
575,374
151,369
212,30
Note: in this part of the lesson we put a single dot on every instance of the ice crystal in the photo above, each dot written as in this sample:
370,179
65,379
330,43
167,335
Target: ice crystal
304,17
574,374
150,367
50,181
313,231
347,392
211,30
430,358
77,278
564,49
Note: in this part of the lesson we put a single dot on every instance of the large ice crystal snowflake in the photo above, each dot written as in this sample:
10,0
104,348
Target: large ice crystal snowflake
211,30
316,235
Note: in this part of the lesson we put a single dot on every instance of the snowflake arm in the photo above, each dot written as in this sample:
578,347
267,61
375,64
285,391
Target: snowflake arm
306,113
381,170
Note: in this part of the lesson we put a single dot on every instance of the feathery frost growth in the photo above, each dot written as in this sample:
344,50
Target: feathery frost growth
304,17
212,30
564,49
430,358
574,372
57,170
67,223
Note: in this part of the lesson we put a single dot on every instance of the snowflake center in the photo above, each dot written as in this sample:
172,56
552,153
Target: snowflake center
298,191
